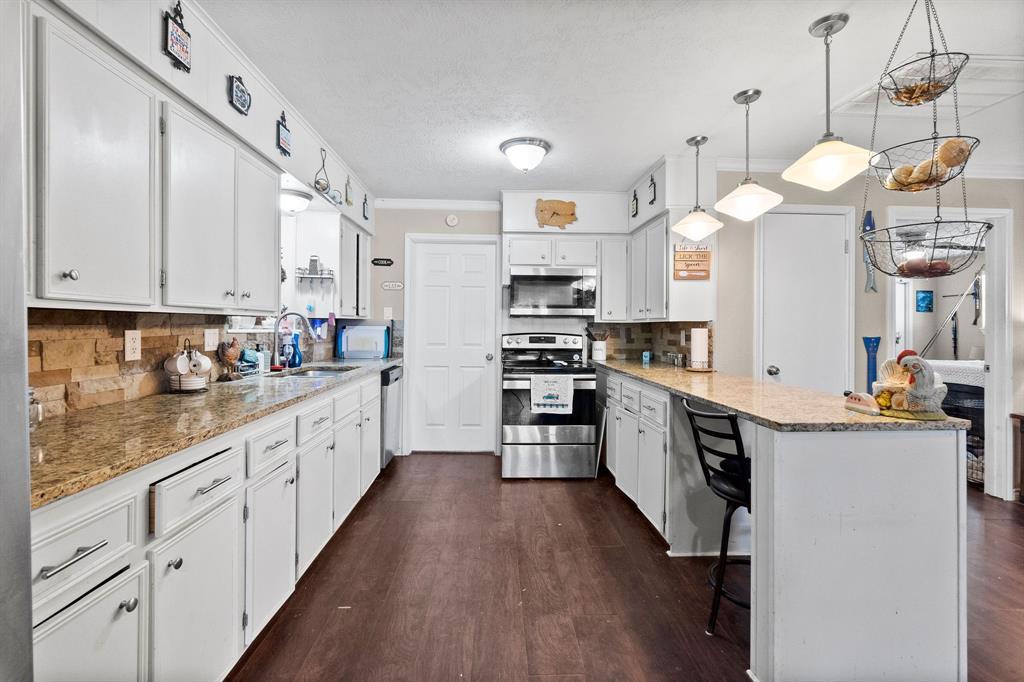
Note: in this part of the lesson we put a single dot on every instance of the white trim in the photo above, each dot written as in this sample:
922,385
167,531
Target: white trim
408,301
979,171
998,338
889,350
849,213
437,205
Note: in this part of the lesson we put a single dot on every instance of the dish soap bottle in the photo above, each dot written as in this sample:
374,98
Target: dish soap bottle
296,359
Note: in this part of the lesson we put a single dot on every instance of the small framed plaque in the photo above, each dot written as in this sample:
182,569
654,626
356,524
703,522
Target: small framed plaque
177,41
284,136
239,95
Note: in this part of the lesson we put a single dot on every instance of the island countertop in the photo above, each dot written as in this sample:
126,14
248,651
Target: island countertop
775,406
79,450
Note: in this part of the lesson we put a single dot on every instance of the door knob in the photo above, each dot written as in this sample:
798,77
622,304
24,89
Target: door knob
489,357
773,370
129,605
71,274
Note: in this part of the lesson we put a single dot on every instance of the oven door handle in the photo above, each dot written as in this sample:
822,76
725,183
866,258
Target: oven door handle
577,384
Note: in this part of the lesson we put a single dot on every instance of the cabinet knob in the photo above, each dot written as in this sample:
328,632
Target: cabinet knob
608,313
367,419
563,256
129,605
175,563
290,481
246,294
229,292
773,370
543,257
71,274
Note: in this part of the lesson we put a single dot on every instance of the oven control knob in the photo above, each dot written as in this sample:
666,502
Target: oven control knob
575,340
566,340
518,341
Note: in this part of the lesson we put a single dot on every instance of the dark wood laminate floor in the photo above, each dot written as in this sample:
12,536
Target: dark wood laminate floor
445,572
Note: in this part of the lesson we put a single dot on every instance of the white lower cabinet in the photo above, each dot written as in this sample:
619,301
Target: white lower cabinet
102,636
270,546
196,602
369,446
651,473
627,444
315,505
347,454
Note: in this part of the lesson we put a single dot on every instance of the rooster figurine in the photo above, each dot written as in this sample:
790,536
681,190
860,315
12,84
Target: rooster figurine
908,388
229,354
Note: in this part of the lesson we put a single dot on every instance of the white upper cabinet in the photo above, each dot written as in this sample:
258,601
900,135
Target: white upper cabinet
527,251
259,262
650,190
96,173
614,286
348,276
363,267
656,307
638,276
575,252
199,213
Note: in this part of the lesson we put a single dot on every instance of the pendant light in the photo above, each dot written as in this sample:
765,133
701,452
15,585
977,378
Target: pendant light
831,162
697,224
750,199
525,153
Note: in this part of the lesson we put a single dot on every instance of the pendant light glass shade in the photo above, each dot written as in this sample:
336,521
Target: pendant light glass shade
525,153
749,199
697,225
831,162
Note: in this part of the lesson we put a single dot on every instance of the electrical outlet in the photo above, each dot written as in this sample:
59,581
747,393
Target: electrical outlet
211,337
132,345
682,337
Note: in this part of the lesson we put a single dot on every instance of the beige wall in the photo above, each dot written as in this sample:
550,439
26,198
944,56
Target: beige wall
734,330
389,242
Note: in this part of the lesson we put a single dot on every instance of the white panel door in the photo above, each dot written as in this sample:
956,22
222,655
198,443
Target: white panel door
454,374
270,546
197,605
627,454
657,271
369,446
199,213
315,503
347,451
96,174
614,289
651,474
805,293
638,276
259,243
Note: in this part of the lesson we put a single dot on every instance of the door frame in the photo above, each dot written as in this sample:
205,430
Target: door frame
890,316
998,337
409,300
849,213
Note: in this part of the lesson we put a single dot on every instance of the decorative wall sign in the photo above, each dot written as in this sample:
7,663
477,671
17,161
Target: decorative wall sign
925,301
392,286
238,95
691,262
366,208
177,41
634,206
652,191
555,212
382,262
284,136
348,190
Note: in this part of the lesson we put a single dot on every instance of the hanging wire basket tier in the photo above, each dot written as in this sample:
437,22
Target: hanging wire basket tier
923,164
924,79
921,250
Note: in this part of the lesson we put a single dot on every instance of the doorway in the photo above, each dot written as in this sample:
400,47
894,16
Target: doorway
804,298
451,304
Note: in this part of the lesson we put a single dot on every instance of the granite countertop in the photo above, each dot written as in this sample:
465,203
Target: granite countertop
776,406
79,450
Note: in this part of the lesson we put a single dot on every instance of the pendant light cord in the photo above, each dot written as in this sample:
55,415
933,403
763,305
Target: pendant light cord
696,177
828,84
748,143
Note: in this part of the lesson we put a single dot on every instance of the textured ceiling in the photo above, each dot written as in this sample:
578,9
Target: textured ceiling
416,95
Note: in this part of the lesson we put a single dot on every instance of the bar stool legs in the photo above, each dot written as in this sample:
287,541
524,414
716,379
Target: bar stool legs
723,557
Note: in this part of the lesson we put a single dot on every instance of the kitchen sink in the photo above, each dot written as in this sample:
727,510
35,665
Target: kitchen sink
313,373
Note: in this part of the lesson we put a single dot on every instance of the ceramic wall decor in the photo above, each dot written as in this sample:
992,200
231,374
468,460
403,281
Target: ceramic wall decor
284,136
908,388
366,208
634,206
348,190
652,191
177,41
556,213
238,95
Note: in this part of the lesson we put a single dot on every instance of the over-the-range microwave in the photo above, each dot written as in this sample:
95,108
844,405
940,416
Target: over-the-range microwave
553,291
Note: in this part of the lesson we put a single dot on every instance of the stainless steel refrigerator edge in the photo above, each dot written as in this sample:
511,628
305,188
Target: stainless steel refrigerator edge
15,580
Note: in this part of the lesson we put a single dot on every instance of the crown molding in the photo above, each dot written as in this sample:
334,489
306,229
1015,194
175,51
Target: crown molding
437,205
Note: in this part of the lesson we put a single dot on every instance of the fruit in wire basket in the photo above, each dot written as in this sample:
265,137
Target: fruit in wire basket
928,170
953,152
918,93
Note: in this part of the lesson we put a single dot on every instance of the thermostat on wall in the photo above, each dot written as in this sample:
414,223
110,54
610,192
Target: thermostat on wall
451,220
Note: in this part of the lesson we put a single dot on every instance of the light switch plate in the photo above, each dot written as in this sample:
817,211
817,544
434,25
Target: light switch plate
389,312
211,337
682,337
132,345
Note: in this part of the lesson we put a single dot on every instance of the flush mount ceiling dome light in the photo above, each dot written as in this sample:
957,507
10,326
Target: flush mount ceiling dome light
295,200
697,224
750,199
525,153
831,162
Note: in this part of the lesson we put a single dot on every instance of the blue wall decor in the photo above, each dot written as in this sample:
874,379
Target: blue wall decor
925,301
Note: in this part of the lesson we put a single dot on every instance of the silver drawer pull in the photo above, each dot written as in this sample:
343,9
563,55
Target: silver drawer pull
217,482
129,605
321,420
649,407
175,563
276,445
47,572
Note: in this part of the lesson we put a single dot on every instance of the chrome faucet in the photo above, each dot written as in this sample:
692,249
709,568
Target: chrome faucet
275,359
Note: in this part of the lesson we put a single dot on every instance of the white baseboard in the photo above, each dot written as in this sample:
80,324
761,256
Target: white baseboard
701,554
752,676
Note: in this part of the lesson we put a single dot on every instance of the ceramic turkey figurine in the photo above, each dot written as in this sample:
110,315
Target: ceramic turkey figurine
908,388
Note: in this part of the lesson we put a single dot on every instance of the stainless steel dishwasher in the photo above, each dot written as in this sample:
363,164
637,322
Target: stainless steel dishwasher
391,417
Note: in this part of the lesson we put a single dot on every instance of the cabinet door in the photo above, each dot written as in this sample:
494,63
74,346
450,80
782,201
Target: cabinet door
199,213
651,474
614,279
315,501
575,252
611,439
270,546
627,453
259,244
347,453
349,269
529,251
197,605
363,268
638,276
100,637
96,174
657,271
369,458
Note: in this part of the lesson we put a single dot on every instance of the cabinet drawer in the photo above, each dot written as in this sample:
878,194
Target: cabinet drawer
614,389
264,451
369,391
86,541
630,398
653,409
345,404
181,497
314,421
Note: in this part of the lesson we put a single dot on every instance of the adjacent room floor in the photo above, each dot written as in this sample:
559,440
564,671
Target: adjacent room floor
445,572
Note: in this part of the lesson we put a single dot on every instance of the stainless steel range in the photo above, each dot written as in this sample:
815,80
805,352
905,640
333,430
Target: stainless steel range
546,445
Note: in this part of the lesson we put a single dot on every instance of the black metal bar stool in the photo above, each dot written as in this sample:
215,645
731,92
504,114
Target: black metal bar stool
729,478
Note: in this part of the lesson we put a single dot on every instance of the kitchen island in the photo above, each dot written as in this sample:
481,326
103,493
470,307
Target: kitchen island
856,532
